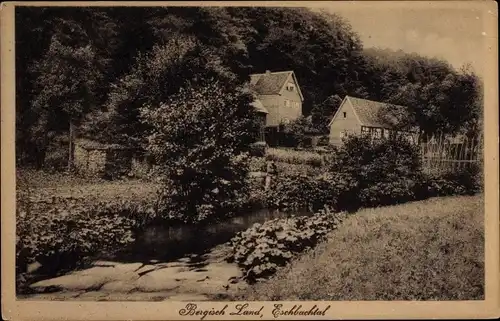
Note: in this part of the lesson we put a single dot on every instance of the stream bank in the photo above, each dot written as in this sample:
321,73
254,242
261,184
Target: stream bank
164,263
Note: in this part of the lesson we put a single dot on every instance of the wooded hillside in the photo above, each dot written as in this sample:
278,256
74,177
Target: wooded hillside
93,68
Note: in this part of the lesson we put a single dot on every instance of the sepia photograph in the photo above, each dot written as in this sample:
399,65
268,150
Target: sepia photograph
194,153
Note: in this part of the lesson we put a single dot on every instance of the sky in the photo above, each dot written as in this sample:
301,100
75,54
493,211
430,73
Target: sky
456,35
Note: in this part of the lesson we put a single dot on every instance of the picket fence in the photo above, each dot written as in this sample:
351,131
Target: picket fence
450,154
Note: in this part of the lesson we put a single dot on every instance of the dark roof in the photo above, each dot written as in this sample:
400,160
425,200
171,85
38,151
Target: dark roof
92,144
374,113
271,83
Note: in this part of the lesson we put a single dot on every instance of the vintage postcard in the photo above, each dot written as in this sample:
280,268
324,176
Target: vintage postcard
249,160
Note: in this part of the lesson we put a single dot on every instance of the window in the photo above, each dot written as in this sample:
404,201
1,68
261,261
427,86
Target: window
287,103
345,114
290,87
343,134
378,133
386,133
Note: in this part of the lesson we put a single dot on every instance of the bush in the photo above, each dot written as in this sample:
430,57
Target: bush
257,164
56,159
301,191
285,169
261,249
61,232
307,142
324,141
258,149
200,139
465,181
294,133
386,171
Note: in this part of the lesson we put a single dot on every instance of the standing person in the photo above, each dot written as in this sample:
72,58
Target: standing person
270,172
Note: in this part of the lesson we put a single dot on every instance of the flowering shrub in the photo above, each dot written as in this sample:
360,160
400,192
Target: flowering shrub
261,249
200,140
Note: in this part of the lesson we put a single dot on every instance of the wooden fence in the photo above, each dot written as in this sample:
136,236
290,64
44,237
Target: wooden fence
450,154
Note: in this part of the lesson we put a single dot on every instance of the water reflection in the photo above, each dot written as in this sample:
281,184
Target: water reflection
166,243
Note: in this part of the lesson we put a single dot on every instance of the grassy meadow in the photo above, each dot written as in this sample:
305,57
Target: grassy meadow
427,250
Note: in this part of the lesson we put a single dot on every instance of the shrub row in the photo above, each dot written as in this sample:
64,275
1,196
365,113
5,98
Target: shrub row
312,192
342,191
364,173
261,249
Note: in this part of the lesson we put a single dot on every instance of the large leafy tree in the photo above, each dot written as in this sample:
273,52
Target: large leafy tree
61,75
198,138
67,78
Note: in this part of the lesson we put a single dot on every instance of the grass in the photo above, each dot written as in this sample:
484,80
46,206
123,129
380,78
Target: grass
258,164
44,185
291,156
427,250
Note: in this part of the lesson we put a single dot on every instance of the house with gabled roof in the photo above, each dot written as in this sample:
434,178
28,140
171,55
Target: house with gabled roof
278,98
357,116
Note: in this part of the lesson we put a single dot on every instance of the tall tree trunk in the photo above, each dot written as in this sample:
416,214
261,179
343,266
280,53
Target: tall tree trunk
71,143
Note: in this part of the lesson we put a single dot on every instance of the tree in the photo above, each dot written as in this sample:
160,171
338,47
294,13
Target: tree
198,138
438,98
67,78
319,47
182,57
323,113
60,72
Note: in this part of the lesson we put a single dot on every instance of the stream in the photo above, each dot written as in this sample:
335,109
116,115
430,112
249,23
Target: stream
166,243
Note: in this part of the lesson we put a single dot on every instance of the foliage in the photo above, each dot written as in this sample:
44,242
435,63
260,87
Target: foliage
261,249
322,113
56,159
258,149
439,99
257,164
65,78
294,133
294,157
77,60
314,192
287,169
61,231
386,171
200,139
465,181
324,141
426,250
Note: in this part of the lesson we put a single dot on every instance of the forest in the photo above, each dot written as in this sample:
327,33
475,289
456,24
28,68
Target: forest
95,68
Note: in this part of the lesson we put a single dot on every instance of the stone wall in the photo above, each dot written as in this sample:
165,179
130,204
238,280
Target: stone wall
89,162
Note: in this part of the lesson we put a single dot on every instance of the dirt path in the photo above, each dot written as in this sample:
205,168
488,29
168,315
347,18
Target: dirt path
192,278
